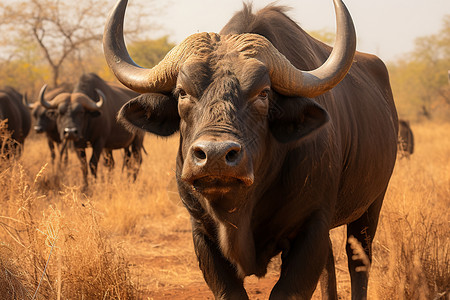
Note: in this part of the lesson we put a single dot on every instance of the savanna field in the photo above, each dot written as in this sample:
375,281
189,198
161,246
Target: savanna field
131,240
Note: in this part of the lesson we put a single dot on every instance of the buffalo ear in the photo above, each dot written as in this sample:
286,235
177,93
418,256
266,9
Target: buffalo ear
291,119
155,113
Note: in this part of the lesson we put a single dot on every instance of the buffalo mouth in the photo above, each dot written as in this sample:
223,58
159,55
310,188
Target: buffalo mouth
71,138
220,184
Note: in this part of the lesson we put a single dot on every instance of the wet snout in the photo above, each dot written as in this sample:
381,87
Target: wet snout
222,154
215,164
38,129
71,133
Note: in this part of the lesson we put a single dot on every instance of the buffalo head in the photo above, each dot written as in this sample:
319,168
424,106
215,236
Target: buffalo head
72,111
45,118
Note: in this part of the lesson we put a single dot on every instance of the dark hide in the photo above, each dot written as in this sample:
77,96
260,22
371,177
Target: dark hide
405,139
45,122
19,119
97,128
262,173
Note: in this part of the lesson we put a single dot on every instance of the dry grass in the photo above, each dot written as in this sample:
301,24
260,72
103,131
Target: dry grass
412,254
131,240
53,245
8,146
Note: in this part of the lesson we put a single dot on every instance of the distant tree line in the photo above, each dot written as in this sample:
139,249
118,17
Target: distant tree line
420,79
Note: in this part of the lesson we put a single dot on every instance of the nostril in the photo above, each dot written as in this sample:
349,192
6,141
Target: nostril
232,156
199,154
224,154
70,130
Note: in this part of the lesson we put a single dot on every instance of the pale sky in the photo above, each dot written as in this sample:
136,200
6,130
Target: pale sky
386,28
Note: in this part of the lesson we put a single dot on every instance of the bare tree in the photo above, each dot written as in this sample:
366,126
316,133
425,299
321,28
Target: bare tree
62,30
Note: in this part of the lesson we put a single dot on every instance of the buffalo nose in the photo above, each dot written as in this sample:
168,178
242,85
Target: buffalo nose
70,132
227,152
38,129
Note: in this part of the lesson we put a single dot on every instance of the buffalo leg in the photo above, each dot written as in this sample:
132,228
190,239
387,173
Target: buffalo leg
93,162
66,155
363,229
81,153
137,155
108,159
126,158
51,146
328,277
63,151
128,162
219,274
133,158
304,262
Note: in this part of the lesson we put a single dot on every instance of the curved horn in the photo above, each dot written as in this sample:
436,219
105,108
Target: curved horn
25,101
101,97
87,102
290,81
43,102
160,78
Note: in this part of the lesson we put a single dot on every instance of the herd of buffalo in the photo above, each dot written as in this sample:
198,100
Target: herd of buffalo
282,138
85,116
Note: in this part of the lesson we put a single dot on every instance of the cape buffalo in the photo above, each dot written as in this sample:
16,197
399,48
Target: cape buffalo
405,139
18,119
87,116
281,139
45,122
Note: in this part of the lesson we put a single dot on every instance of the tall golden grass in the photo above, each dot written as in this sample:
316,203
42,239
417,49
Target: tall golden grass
131,240
412,249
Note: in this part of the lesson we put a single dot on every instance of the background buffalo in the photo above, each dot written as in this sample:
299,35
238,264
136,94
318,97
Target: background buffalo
87,116
405,139
45,122
18,119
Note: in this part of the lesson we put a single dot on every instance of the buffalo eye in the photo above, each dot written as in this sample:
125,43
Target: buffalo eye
261,101
264,94
181,93
185,102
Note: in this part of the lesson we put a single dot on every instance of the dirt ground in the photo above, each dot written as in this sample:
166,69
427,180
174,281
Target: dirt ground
161,274
167,269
